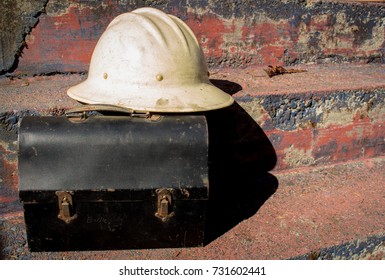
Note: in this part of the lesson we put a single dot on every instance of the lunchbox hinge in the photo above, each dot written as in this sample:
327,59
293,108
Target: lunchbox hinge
66,209
165,204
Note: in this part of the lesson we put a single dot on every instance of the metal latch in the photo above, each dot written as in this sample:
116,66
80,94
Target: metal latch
66,209
165,204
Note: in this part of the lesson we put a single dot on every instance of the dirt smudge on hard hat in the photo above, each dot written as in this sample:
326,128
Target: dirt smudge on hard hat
162,102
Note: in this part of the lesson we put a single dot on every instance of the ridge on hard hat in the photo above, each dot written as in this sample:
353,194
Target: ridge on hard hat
147,60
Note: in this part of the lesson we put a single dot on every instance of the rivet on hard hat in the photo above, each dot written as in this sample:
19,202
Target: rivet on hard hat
149,61
159,77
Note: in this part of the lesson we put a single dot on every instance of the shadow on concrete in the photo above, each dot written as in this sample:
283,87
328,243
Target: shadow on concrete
227,86
240,158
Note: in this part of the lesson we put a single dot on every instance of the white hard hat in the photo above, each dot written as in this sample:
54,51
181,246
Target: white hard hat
149,61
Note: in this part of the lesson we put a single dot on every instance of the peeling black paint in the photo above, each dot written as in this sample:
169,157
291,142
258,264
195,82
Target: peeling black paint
290,112
287,112
324,152
10,120
362,17
364,32
296,11
358,249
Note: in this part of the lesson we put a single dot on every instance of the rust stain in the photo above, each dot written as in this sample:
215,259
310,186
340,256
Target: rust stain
208,43
229,33
8,171
64,42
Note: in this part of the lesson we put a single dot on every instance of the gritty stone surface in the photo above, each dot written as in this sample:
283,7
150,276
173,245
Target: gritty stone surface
370,248
293,112
40,93
326,115
333,212
276,215
245,84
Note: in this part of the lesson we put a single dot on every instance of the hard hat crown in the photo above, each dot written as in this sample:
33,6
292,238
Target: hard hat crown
149,61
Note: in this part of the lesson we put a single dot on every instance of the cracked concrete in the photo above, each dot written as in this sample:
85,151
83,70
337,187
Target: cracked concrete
17,20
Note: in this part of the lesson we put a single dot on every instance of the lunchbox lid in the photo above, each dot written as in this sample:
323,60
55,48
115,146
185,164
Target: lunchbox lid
120,157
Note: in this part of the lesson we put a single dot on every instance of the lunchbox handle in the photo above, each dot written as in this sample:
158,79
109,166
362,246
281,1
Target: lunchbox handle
79,113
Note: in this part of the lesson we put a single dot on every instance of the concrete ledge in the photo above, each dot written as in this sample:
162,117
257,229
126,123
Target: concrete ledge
329,114
231,33
45,92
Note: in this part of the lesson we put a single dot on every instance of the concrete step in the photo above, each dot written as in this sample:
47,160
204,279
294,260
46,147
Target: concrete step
329,114
330,212
299,158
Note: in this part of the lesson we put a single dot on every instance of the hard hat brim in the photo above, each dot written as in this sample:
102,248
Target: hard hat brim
189,98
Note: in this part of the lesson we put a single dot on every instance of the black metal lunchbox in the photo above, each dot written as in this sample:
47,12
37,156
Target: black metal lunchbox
113,181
